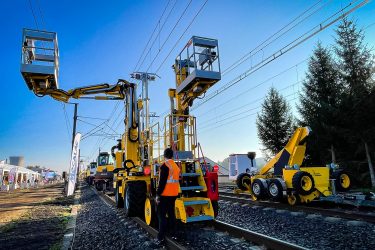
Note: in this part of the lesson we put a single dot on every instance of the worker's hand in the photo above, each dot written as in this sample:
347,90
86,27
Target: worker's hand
157,200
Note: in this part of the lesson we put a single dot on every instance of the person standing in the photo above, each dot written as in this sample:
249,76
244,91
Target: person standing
166,195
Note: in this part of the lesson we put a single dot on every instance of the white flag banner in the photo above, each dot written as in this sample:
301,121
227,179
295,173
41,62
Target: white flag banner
74,165
1,177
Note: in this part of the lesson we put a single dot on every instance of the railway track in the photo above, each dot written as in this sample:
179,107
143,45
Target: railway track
259,240
333,212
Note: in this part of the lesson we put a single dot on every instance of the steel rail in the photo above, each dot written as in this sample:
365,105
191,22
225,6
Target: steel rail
258,238
346,214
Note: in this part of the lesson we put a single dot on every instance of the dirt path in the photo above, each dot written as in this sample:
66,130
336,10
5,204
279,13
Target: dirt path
14,205
34,219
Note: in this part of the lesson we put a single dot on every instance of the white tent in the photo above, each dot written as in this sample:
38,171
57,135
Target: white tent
13,177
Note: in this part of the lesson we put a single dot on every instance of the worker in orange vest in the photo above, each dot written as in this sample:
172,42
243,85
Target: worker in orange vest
166,195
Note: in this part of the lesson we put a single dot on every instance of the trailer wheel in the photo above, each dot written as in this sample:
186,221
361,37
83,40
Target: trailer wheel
98,186
259,189
118,198
243,181
150,213
275,190
342,182
135,196
303,183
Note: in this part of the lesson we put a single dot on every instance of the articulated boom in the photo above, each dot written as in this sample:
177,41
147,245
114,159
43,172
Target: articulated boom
293,153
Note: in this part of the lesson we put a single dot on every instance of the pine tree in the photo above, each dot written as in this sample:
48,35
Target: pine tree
356,69
274,123
319,104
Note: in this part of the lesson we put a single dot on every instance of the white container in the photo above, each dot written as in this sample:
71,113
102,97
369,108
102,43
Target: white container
240,163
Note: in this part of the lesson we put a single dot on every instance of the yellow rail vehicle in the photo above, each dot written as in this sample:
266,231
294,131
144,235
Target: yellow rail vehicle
90,172
103,176
286,176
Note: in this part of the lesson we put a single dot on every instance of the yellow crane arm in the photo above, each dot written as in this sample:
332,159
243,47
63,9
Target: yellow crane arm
293,153
103,91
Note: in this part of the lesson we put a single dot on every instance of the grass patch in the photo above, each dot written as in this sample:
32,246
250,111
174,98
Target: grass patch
7,227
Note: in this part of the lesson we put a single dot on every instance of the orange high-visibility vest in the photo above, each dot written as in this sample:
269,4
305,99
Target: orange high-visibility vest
173,185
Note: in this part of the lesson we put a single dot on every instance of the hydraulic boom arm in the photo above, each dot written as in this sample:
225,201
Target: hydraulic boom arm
293,153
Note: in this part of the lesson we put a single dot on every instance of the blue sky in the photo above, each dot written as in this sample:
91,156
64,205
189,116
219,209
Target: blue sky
102,42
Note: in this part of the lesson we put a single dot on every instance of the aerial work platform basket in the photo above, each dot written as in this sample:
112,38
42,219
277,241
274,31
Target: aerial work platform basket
197,67
40,59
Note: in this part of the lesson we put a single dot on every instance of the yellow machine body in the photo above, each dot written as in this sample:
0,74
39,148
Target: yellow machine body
296,182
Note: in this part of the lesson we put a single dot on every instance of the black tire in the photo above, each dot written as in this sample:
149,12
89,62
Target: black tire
242,179
259,189
135,197
301,183
98,186
342,182
119,199
215,206
275,190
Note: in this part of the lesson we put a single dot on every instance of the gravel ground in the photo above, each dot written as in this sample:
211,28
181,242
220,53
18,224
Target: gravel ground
102,227
198,236
307,230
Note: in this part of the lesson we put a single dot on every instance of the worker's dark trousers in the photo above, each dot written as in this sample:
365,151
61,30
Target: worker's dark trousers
166,206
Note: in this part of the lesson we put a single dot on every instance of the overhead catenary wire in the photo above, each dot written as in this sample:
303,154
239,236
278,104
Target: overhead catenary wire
247,105
299,40
169,35
145,48
306,11
149,40
41,14
255,86
213,127
179,39
268,41
34,16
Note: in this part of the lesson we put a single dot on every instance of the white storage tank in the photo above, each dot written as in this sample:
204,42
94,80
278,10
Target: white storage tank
17,161
241,163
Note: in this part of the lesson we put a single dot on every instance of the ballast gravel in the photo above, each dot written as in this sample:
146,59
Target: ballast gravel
313,232
100,226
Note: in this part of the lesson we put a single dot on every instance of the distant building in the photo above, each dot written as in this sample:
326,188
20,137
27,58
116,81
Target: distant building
17,161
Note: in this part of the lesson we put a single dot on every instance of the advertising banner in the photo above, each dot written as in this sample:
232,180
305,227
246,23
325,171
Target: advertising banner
1,177
74,165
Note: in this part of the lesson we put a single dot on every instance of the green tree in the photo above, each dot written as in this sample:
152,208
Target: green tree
319,104
355,64
274,123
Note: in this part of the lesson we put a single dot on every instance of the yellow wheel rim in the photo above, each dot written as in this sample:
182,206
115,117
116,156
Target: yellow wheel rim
306,183
345,180
292,199
148,211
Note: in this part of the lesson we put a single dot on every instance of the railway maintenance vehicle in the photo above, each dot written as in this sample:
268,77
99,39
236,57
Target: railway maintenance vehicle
90,172
138,156
287,176
103,176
